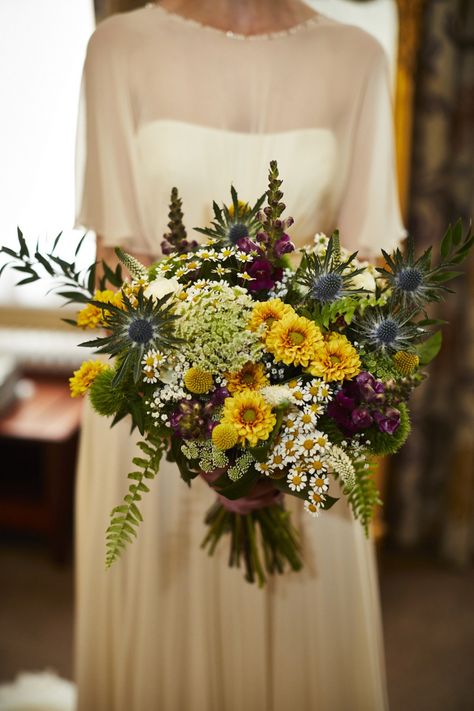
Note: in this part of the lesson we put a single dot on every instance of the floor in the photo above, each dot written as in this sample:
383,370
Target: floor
428,619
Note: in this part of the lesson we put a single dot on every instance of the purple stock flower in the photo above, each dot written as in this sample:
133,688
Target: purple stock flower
389,421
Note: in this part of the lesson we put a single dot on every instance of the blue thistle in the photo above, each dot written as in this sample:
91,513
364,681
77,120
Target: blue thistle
386,331
231,225
416,281
135,328
327,279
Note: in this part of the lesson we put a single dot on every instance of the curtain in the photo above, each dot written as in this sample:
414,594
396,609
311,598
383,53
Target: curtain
431,492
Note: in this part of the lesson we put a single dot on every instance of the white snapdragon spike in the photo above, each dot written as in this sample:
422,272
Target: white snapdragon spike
341,464
277,395
160,287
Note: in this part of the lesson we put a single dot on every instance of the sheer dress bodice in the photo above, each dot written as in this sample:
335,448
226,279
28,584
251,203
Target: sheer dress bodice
170,102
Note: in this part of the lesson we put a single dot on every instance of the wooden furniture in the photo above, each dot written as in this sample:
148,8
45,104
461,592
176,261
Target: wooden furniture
38,447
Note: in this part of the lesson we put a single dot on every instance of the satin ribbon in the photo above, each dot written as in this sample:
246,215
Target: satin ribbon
262,495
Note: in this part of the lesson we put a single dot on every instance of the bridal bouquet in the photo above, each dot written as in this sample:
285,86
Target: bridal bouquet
264,379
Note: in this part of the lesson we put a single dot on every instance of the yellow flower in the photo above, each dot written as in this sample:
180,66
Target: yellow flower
83,378
224,436
268,313
250,377
336,359
198,381
243,208
251,416
294,340
405,362
92,316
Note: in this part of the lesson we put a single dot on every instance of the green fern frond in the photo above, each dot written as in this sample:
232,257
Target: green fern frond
126,518
137,269
364,497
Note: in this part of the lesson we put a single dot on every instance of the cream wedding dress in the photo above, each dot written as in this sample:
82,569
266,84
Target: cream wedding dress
169,102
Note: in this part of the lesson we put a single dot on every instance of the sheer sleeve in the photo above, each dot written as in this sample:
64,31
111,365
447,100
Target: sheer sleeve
369,215
108,199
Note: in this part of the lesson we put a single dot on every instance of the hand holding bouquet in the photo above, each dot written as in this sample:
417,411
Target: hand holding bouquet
263,379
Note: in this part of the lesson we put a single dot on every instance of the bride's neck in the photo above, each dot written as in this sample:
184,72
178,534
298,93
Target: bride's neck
242,16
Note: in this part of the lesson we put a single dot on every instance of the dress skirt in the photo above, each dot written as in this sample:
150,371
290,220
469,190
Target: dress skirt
169,628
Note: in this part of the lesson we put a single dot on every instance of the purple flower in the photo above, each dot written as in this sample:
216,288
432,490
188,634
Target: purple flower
371,390
388,422
262,273
283,246
219,395
344,400
245,244
361,418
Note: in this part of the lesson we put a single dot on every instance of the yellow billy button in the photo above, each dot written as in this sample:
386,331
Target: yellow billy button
224,436
405,362
198,381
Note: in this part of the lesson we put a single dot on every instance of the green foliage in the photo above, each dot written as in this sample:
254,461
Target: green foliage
276,548
104,397
428,350
382,443
135,268
126,518
364,497
75,285
380,365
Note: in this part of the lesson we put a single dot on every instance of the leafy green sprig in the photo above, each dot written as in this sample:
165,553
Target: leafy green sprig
75,285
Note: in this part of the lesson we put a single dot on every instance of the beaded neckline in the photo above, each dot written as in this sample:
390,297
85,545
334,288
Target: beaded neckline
296,29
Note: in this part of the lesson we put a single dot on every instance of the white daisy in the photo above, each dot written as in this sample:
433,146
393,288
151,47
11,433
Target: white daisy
296,482
263,468
315,498
244,257
227,252
319,483
311,508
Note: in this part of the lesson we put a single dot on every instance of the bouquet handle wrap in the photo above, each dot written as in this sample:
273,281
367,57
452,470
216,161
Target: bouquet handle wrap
262,495
260,530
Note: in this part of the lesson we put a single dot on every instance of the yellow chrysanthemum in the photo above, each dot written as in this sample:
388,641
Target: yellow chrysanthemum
405,362
250,377
243,208
83,378
267,313
224,436
294,340
336,359
92,316
198,381
251,416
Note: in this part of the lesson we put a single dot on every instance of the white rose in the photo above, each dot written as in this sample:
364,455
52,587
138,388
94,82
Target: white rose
162,286
365,280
